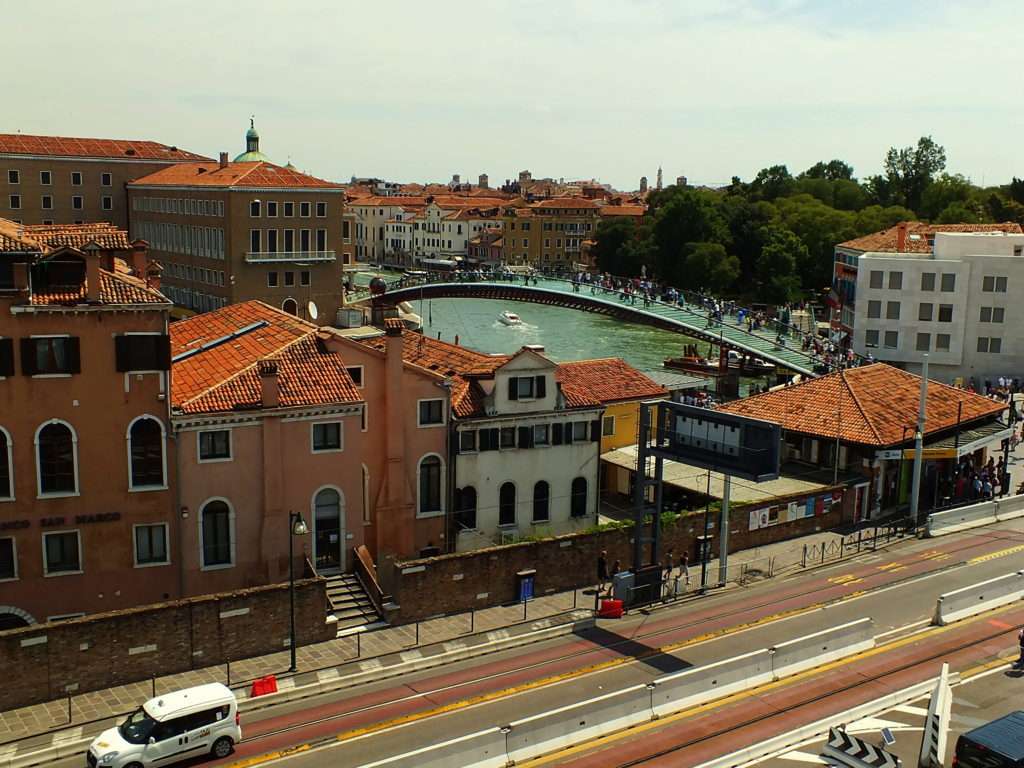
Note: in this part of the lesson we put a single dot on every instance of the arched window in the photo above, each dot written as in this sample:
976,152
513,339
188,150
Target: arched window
216,531
465,507
578,500
290,306
430,485
57,458
507,504
6,466
541,501
146,453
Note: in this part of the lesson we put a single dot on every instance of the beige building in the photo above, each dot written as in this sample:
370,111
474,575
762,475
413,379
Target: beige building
63,180
549,233
228,232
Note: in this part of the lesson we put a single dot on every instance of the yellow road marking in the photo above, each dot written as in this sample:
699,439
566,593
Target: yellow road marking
994,555
610,663
742,695
887,566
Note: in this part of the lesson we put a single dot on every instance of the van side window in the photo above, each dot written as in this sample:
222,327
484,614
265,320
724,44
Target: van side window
170,728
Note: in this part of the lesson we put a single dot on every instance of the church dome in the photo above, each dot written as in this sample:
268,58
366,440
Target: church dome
252,152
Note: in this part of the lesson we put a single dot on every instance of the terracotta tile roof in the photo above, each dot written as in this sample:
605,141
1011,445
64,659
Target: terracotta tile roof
254,174
869,405
116,287
76,235
65,146
919,236
400,201
623,210
565,202
225,376
608,380
440,356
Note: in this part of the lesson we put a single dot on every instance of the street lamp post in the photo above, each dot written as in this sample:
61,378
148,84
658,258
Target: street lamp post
296,527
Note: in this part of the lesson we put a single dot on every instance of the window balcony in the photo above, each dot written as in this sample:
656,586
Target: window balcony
263,257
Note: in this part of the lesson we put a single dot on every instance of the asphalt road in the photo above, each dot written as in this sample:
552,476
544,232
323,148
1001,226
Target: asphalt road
897,588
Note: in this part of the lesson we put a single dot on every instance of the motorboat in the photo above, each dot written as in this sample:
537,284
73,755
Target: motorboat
693,364
509,318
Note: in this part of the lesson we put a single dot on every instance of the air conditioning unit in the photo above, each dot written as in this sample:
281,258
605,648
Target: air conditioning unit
509,537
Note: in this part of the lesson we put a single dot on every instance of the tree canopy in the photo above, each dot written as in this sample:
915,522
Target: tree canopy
775,236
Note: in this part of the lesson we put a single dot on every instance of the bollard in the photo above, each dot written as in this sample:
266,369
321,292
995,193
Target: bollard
417,633
69,709
803,560
228,675
472,620
524,610
153,681
859,532
359,644
823,551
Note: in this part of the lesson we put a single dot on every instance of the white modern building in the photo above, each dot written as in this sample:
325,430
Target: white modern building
955,303
527,453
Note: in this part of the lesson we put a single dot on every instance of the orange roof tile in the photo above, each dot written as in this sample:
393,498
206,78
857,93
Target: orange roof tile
65,146
115,288
869,405
248,175
623,210
608,380
920,235
565,202
224,376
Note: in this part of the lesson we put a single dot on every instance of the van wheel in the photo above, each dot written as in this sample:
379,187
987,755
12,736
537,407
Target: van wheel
222,747
134,765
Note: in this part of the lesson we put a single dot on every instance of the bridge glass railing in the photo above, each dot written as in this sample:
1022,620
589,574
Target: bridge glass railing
770,337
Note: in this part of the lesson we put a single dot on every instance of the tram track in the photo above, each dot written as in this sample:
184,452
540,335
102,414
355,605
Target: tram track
809,701
427,693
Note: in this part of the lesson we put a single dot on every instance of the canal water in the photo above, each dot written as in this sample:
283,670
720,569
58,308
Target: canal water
565,334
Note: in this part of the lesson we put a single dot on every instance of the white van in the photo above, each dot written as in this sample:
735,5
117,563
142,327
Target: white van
170,728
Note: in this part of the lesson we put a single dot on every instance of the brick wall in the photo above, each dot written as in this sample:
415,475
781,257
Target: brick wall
459,582
47,661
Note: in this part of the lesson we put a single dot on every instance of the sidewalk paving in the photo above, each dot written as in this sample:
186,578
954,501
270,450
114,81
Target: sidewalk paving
44,718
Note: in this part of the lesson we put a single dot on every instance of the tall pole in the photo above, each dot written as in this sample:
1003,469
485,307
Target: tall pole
839,429
704,548
915,488
723,533
291,591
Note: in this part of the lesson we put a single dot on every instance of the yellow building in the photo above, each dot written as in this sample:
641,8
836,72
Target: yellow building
621,390
549,233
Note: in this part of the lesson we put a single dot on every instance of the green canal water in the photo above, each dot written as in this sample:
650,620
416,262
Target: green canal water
565,334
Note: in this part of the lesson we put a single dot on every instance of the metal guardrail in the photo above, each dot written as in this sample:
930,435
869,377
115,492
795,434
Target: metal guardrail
865,539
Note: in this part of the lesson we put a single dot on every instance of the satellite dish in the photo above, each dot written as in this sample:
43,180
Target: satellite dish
313,311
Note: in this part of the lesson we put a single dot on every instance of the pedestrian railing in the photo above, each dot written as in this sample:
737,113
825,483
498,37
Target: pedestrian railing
866,539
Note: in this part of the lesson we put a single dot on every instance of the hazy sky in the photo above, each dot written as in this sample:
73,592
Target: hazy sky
417,91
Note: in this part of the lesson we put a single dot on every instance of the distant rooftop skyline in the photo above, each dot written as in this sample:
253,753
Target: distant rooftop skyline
417,92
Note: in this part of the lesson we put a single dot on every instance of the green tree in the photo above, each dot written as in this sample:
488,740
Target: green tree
910,170
833,170
943,192
819,228
1016,190
848,195
771,183
958,213
688,217
612,236
747,223
875,218
776,266
711,268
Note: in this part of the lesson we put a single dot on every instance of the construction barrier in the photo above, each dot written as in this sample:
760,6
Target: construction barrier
822,647
977,598
485,749
983,513
700,684
546,732
559,728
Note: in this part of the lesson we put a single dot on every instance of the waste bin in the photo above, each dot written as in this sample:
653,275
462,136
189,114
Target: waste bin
525,580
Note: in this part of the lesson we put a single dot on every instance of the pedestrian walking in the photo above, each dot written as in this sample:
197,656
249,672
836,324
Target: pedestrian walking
666,580
1020,643
602,570
684,567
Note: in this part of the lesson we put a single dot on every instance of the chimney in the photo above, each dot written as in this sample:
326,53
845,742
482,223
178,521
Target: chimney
269,392
223,159
154,275
21,276
93,254
901,237
139,249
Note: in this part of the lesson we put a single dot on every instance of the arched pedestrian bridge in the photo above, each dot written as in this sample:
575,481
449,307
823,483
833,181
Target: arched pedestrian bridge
689,318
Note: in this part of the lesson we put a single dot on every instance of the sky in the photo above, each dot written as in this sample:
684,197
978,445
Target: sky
574,89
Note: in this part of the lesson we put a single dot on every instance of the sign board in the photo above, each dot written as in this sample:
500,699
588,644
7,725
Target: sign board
931,454
845,749
723,442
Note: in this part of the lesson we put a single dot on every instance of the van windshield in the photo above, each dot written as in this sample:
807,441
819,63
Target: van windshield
138,726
